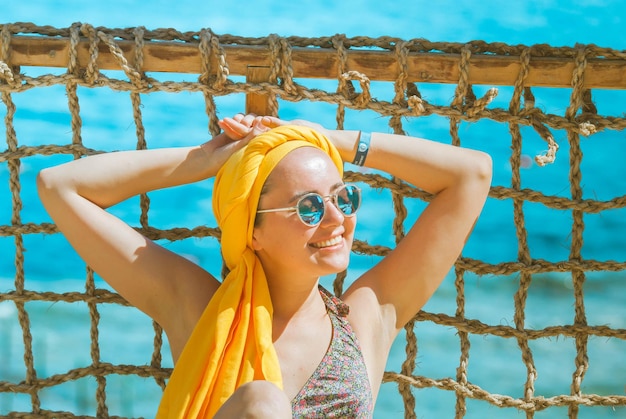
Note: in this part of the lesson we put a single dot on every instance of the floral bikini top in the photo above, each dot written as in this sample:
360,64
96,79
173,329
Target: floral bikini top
339,387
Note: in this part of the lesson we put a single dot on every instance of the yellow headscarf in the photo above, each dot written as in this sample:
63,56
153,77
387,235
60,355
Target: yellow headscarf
232,342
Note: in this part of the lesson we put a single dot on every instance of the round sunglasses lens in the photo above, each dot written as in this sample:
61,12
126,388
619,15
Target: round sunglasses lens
311,209
349,199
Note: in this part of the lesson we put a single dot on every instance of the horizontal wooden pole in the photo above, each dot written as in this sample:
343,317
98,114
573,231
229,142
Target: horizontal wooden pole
323,63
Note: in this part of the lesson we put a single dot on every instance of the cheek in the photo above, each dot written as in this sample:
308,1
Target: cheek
350,225
281,235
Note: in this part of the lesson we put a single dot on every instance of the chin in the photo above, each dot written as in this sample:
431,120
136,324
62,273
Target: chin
332,267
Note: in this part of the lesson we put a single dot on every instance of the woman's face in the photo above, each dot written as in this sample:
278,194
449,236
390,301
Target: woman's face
283,243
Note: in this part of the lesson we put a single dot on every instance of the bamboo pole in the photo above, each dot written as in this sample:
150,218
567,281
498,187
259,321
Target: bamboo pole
162,56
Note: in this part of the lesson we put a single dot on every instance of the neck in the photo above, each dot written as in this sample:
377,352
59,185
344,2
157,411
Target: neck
294,302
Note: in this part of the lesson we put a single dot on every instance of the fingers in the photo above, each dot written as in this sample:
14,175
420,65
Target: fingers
259,126
245,119
241,126
273,122
233,129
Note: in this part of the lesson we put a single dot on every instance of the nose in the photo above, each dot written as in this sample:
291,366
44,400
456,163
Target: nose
332,213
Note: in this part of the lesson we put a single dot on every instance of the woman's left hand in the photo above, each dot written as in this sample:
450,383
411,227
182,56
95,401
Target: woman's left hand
272,122
343,140
245,127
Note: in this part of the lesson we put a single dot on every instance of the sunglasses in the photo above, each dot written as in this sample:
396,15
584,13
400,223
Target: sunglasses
311,207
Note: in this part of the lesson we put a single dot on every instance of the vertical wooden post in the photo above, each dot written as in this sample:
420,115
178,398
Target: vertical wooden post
256,103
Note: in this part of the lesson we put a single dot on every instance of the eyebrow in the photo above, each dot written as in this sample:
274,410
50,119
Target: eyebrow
301,194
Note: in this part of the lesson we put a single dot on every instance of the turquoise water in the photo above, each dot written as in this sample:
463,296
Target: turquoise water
61,330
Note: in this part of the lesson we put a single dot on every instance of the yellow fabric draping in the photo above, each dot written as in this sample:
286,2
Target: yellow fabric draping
232,342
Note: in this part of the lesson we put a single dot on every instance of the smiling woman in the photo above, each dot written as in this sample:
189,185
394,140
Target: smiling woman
250,327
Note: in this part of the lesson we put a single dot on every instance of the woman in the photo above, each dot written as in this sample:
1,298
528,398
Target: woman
277,346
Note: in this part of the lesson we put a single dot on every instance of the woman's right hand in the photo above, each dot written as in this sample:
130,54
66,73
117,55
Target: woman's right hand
236,133
245,127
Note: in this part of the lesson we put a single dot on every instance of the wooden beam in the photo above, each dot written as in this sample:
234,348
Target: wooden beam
257,103
312,62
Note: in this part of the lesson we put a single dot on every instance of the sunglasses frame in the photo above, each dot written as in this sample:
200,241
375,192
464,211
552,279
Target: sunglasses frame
333,198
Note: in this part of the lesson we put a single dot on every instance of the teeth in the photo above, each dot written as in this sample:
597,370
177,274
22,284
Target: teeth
327,243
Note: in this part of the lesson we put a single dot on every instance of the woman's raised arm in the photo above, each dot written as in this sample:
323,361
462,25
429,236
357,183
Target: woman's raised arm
459,180
169,288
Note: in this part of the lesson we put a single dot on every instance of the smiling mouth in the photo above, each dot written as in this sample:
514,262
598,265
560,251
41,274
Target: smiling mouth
328,243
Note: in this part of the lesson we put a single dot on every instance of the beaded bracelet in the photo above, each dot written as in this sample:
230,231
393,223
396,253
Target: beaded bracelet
362,148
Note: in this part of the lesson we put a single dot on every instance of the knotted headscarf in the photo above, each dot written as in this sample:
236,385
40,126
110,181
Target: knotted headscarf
232,342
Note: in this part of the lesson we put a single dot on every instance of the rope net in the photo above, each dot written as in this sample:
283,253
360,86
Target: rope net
567,350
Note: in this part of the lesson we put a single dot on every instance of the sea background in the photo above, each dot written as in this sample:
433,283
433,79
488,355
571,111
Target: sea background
61,330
